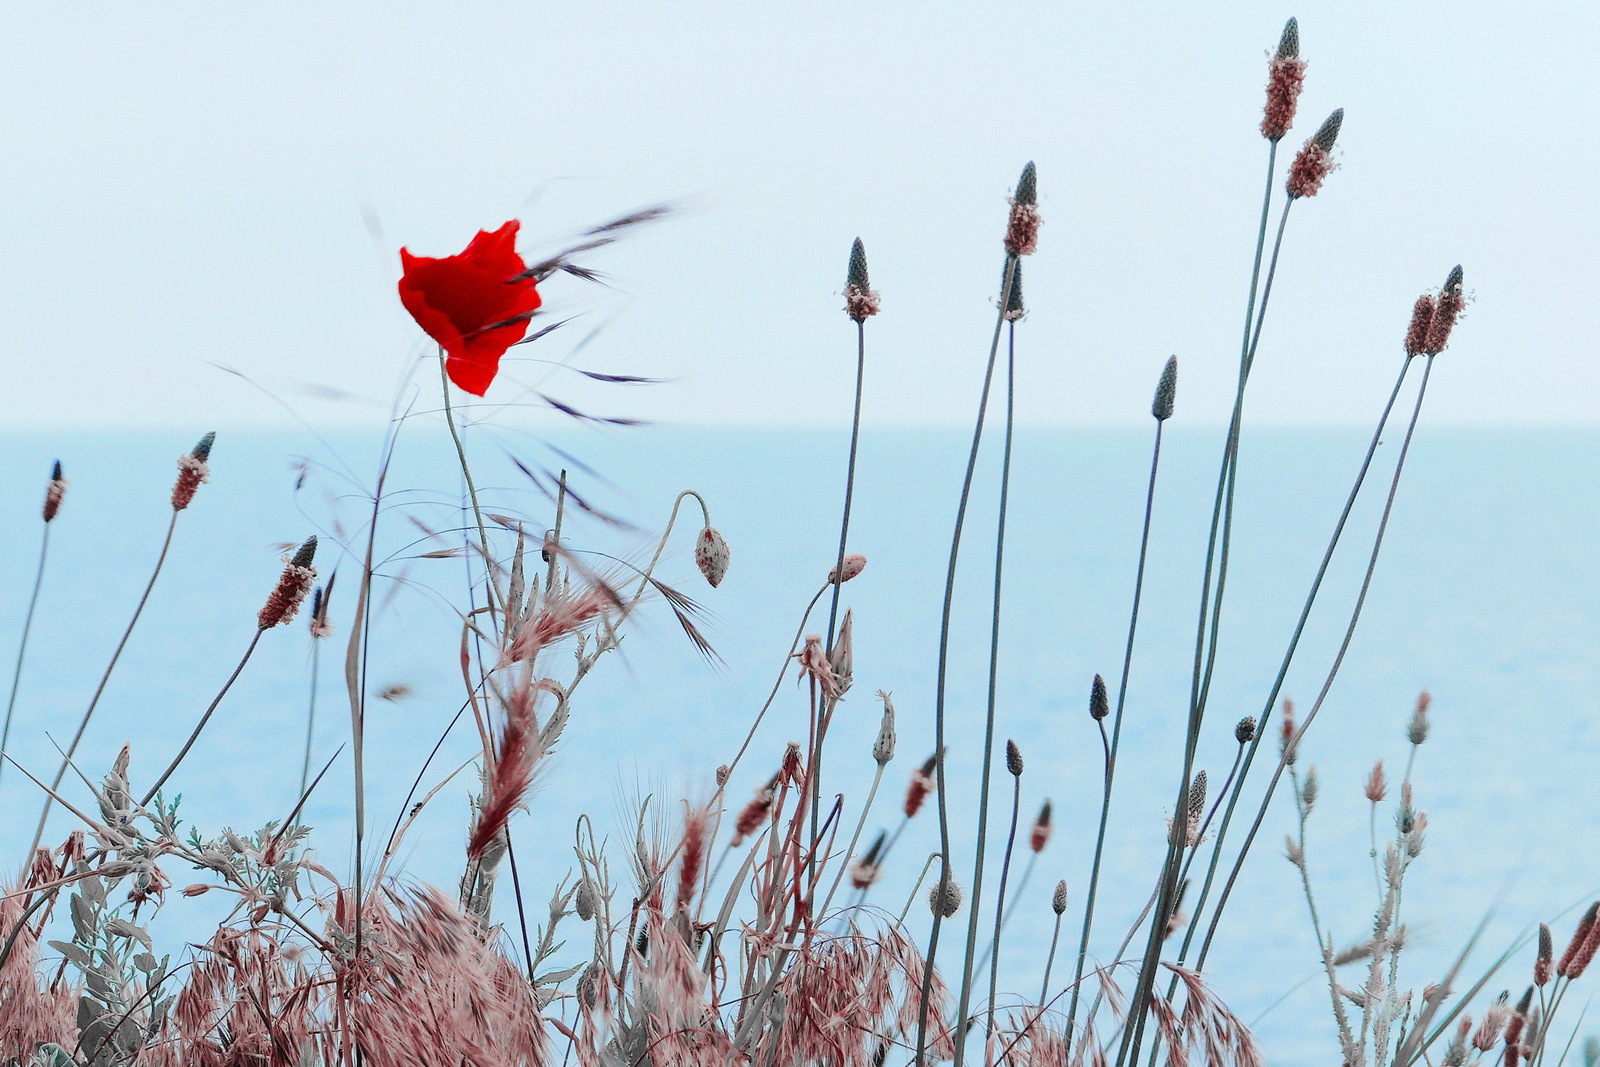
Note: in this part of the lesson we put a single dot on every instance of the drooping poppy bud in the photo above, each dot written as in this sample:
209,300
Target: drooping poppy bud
711,556
854,564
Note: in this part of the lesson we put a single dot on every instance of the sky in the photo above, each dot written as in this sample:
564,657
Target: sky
193,189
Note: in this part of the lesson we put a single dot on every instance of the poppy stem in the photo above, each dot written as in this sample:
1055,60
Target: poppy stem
472,490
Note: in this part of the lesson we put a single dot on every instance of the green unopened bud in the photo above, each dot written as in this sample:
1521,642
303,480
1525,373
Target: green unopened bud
1289,43
1099,704
1027,186
1166,391
1328,132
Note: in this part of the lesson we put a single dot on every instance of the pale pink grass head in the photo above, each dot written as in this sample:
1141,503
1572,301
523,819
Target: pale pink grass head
1286,76
1315,159
193,471
292,587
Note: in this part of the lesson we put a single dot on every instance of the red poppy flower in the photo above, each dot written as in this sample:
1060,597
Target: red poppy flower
476,304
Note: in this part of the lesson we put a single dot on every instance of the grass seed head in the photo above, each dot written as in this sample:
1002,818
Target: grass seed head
1417,729
1314,161
193,471
1541,964
1245,730
53,492
1013,759
1022,231
1099,704
1058,899
1286,76
1447,311
1421,317
860,301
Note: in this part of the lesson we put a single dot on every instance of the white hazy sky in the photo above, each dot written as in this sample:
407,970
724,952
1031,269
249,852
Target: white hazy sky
190,183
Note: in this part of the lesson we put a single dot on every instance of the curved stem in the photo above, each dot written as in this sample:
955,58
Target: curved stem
944,659
472,490
22,646
201,725
855,839
94,701
989,707
1000,899
311,712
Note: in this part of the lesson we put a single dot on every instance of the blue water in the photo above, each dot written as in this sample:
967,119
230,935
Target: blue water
1485,595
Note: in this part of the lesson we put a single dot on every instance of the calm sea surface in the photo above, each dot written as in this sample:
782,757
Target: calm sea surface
1486,595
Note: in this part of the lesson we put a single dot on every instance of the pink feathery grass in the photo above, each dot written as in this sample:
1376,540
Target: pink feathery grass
1286,77
30,1014
507,781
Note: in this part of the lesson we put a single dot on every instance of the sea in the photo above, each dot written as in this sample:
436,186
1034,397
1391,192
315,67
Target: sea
1484,596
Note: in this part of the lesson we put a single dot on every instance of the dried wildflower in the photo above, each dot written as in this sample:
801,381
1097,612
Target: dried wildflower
1286,76
790,770
814,665
723,771
1451,300
755,812
1541,965
1013,296
1039,836
291,589
1292,851
883,747
1245,730
1166,391
1421,316
1286,741
696,824
320,626
1308,792
54,492
1058,899
1377,786
1013,759
195,890
1099,704
854,564
1417,728
860,300
1022,231
1314,162
193,471
922,783
711,556
841,658
945,898
1494,1020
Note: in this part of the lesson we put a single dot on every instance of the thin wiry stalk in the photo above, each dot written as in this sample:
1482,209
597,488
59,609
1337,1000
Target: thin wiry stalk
1283,667
22,646
855,839
311,712
1050,961
472,490
1116,737
1216,557
1016,901
838,573
1333,671
201,725
944,657
94,701
1000,897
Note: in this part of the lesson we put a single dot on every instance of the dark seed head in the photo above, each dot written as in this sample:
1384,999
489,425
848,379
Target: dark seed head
1289,43
1245,732
1013,759
1328,132
1027,186
1166,391
202,450
1099,704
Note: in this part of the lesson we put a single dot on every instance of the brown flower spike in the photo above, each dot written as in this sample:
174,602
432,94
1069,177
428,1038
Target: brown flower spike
860,301
1022,232
54,492
291,589
1285,78
1315,161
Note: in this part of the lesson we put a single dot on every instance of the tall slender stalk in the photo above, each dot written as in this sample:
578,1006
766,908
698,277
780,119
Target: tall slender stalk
994,673
194,734
942,674
22,646
1000,896
1338,660
1162,410
99,690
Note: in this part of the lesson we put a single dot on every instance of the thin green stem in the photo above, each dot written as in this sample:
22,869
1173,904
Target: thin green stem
22,646
1344,647
472,490
1000,899
94,701
989,705
855,839
838,573
944,657
201,725
311,712
1116,737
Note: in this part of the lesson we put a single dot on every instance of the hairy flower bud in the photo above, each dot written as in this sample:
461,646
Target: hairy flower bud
1417,728
945,898
883,747
1013,759
711,556
1058,899
854,564
1245,731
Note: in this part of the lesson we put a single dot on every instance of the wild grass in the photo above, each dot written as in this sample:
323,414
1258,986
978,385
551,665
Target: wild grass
717,933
